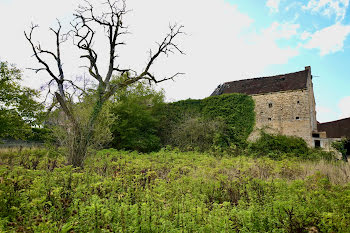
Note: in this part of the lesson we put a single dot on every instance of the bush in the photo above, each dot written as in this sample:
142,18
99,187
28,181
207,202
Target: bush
280,146
342,146
196,133
137,113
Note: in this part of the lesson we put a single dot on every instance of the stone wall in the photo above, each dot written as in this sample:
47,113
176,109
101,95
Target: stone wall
288,113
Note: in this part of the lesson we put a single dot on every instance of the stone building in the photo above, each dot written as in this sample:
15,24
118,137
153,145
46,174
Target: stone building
336,130
284,104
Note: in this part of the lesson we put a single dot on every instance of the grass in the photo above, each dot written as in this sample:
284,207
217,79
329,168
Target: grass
170,191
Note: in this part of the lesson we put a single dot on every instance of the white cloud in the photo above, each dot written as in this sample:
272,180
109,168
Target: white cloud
293,5
218,49
281,30
344,106
305,35
273,5
325,114
328,40
328,7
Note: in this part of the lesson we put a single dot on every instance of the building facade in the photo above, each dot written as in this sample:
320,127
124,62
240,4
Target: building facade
284,104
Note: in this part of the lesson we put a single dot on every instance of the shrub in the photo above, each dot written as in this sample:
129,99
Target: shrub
342,146
277,146
196,133
137,116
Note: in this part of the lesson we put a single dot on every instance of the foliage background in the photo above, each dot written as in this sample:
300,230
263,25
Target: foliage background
19,108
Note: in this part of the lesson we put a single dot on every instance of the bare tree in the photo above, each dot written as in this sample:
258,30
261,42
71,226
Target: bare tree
83,36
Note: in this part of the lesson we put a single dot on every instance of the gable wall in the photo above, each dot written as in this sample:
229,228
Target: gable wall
283,113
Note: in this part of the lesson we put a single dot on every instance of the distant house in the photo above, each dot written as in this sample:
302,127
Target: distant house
335,130
284,104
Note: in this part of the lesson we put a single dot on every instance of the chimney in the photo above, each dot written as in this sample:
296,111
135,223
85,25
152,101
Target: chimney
308,68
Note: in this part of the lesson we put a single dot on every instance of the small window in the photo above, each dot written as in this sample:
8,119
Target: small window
317,143
270,105
270,119
315,135
298,118
298,102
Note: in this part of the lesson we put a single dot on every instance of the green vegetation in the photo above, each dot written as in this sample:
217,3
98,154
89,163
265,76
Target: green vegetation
19,111
280,146
234,111
170,191
136,110
342,146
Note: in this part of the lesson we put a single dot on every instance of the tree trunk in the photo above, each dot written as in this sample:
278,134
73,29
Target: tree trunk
81,138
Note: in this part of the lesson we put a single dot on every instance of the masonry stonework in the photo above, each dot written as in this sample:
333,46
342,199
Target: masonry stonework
284,104
284,113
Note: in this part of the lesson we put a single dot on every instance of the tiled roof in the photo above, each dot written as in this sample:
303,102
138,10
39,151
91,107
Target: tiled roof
335,129
284,82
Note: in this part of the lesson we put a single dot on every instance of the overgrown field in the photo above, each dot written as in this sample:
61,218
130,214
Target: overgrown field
170,191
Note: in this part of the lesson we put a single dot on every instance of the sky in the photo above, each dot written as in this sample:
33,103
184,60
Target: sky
225,40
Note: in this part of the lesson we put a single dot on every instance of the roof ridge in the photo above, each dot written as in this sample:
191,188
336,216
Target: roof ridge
347,118
274,76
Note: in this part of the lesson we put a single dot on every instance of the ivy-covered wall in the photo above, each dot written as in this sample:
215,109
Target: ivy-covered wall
236,110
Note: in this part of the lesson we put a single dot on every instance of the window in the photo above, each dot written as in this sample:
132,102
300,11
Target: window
315,135
298,102
270,119
298,118
270,105
317,143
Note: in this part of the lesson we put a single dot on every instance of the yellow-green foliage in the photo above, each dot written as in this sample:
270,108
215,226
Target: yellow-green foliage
169,191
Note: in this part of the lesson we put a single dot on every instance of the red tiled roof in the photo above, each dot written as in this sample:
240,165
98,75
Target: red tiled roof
284,82
335,129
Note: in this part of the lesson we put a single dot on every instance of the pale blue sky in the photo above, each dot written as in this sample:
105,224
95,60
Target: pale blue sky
327,53
226,40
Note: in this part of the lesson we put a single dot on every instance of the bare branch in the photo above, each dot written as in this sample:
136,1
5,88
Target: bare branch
36,54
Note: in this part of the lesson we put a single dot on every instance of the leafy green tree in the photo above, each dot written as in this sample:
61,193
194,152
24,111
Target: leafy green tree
18,108
137,113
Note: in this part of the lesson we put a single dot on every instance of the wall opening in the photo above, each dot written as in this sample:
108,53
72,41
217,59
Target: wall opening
298,118
270,119
270,105
317,143
347,147
315,135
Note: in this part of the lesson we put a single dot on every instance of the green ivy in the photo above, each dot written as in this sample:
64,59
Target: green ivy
235,110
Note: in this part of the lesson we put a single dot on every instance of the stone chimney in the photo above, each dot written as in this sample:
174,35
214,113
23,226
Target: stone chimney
308,68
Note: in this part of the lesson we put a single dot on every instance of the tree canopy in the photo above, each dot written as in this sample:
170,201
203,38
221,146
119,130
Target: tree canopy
19,109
